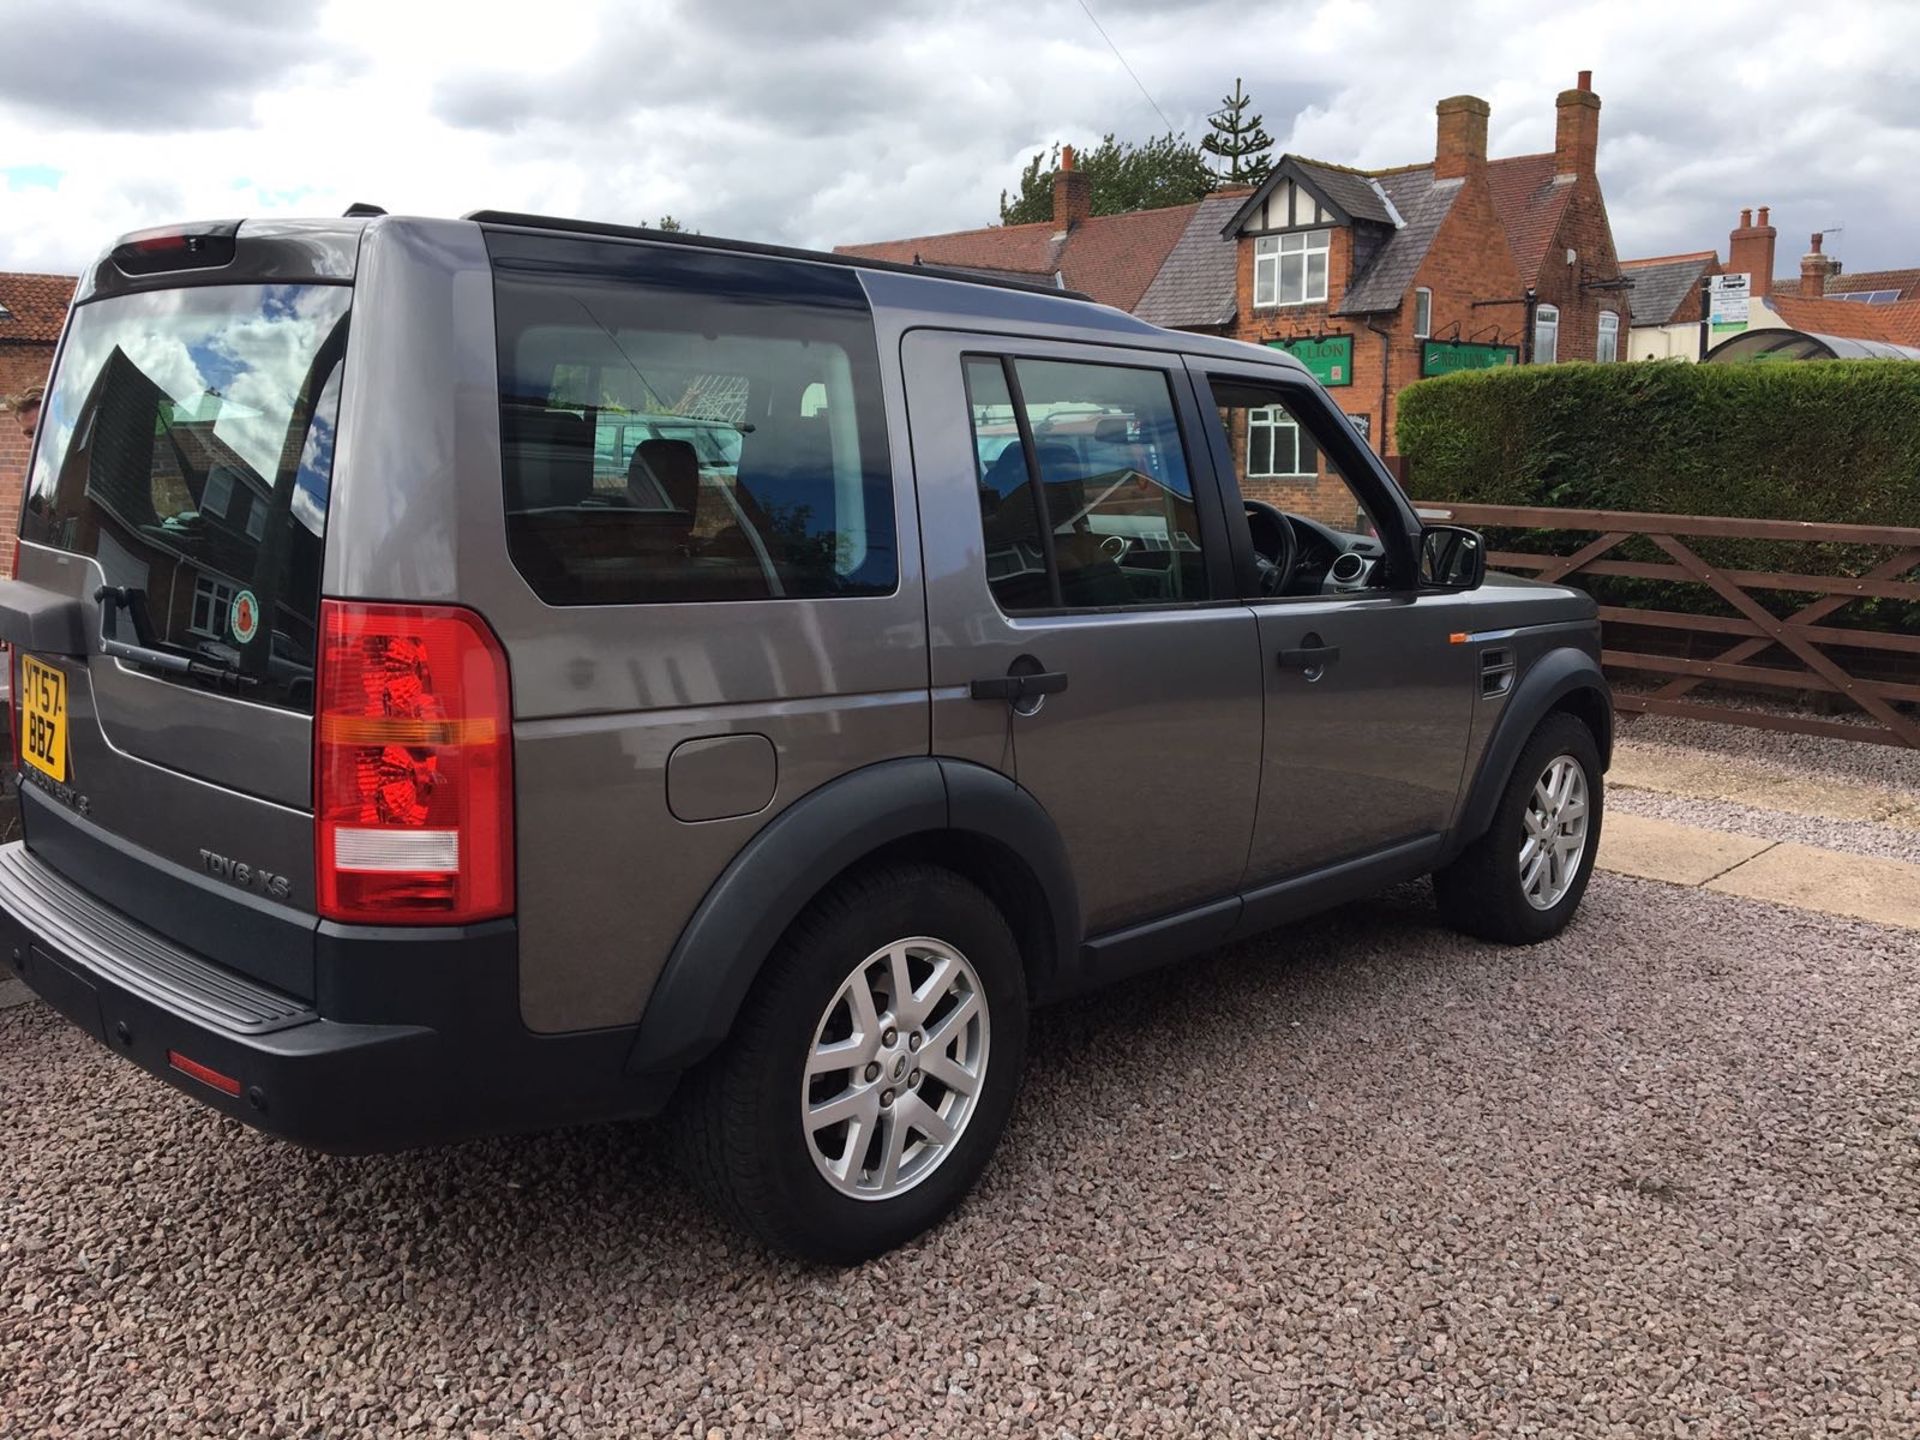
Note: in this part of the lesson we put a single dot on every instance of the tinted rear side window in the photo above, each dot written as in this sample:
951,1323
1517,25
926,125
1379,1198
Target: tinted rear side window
688,425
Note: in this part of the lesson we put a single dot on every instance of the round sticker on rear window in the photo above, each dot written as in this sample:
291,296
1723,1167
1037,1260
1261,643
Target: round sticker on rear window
246,616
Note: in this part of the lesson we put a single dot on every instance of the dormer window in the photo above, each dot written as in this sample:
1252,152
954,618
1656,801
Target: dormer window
1291,269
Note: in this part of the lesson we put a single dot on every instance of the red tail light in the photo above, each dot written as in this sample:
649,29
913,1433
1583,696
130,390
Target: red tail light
413,766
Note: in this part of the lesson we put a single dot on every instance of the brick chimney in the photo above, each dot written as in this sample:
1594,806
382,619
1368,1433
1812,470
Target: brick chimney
1814,270
1576,135
1462,142
1072,192
1750,250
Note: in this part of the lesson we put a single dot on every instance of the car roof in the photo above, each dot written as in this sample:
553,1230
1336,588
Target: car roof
902,296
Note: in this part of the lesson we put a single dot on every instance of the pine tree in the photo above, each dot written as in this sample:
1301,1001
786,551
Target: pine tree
1239,140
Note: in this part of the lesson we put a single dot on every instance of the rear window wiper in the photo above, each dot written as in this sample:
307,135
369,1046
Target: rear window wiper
142,651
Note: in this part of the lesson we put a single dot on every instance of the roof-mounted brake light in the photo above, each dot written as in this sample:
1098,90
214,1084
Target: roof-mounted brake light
177,247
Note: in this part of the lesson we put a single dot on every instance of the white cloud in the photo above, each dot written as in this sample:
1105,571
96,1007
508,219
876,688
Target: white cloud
840,120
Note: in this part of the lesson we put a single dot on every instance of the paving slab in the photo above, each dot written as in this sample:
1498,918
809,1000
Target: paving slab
1886,892
1708,775
12,993
1678,854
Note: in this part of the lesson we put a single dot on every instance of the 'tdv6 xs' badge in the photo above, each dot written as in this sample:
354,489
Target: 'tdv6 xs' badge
247,877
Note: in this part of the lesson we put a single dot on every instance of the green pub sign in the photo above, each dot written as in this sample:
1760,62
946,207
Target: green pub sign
1443,357
1329,359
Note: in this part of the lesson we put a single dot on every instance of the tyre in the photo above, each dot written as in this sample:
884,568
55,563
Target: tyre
1521,881
871,1071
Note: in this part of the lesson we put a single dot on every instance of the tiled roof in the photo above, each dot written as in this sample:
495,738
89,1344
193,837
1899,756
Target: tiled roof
1354,191
1112,258
1907,282
1196,286
1530,199
1902,320
1424,204
1021,249
1665,284
1846,318
35,306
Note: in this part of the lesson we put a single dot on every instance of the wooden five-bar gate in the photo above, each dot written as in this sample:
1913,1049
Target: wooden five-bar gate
1823,650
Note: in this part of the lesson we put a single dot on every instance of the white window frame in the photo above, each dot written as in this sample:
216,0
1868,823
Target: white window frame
1606,341
1546,334
1283,263
1422,313
220,480
1275,419
218,598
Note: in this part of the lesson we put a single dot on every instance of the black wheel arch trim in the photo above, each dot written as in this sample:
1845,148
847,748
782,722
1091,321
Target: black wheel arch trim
801,851
1549,680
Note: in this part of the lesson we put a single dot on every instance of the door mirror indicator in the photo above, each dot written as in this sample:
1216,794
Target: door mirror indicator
1452,557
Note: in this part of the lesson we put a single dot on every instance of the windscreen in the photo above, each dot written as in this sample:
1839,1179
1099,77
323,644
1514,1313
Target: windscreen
186,444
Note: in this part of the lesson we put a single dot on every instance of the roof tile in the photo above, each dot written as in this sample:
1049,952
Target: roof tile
1530,199
35,305
1196,286
1424,204
1661,287
1112,258
1848,319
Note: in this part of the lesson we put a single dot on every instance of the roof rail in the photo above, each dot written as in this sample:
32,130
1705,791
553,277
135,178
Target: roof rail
513,219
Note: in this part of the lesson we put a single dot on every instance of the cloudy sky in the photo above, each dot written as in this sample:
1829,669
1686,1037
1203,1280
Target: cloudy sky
816,122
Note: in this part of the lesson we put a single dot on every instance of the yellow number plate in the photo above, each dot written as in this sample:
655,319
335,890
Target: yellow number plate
43,718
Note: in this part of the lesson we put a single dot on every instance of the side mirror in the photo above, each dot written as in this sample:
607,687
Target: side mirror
1452,557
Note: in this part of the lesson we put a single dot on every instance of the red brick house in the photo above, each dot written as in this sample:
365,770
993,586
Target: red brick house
1374,278
1378,278
1112,258
32,310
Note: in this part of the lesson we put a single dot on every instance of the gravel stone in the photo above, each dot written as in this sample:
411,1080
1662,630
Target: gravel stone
1656,1177
1847,761
1852,837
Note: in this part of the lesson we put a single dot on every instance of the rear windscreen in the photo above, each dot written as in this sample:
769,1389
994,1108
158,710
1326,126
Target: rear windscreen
186,444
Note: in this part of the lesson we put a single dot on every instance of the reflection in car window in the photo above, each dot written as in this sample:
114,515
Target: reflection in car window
1113,520
1277,460
681,427
167,453
1016,549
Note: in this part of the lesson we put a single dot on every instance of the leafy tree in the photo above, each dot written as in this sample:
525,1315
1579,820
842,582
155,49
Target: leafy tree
1155,173
667,222
1239,141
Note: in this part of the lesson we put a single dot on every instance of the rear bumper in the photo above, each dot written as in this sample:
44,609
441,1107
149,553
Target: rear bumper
414,1037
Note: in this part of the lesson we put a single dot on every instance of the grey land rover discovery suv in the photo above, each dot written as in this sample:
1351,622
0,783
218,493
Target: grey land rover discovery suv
487,674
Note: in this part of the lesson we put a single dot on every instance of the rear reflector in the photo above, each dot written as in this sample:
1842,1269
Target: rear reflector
206,1075
413,766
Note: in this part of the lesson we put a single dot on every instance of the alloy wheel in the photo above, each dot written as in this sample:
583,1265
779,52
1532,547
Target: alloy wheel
1555,838
896,1067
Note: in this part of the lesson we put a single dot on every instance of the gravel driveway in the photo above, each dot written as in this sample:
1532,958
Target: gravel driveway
1657,1177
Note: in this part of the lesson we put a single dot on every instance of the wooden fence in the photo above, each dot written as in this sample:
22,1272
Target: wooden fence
1822,651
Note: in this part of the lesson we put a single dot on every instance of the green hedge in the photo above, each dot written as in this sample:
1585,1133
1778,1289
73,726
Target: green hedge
1811,440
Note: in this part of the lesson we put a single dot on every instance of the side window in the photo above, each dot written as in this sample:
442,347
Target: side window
1112,521
1279,463
685,427
1016,546
1546,335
